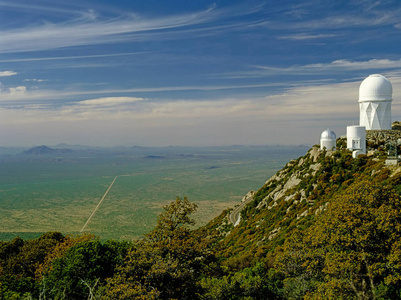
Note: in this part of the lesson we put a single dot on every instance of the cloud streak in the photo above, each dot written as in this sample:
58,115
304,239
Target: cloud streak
304,36
70,57
354,15
26,95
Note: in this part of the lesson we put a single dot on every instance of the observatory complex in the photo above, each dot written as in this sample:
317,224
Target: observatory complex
375,97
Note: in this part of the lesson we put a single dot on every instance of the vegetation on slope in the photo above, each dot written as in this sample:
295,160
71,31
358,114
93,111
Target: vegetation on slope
296,195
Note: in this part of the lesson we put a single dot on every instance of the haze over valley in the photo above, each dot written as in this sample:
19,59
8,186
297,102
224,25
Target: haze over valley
58,188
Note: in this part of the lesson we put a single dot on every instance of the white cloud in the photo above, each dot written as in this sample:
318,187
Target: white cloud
109,101
7,73
34,80
17,90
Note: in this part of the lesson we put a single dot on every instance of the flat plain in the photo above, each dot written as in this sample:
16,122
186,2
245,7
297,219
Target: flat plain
59,192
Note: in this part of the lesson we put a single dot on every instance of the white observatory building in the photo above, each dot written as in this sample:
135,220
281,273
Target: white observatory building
356,140
375,97
328,140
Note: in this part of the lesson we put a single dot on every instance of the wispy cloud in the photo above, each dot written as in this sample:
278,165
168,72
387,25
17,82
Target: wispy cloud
88,31
304,36
29,96
70,57
60,10
356,14
344,65
338,66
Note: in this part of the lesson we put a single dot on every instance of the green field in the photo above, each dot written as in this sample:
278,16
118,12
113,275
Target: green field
59,193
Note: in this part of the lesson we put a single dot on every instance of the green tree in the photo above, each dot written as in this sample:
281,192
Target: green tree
59,251
19,261
168,262
353,250
257,282
84,267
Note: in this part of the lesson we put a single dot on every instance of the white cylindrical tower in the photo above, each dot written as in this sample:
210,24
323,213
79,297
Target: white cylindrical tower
375,96
328,140
356,139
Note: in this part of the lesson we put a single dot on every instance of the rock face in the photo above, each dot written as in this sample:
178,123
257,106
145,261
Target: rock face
287,180
248,196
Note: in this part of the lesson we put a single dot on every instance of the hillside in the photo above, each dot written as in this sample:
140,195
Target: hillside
296,194
285,220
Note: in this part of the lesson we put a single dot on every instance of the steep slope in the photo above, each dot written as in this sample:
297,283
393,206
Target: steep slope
292,198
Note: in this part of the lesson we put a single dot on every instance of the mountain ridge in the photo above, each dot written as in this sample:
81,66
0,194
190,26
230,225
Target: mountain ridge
326,226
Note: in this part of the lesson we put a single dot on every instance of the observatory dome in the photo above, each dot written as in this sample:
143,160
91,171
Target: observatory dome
328,135
328,140
376,87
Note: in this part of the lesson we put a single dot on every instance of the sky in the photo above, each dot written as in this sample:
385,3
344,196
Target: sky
190,73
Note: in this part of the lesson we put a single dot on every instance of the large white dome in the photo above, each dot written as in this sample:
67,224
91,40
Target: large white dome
376,87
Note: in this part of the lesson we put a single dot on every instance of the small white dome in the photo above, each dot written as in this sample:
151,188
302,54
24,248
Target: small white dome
376,87
328,135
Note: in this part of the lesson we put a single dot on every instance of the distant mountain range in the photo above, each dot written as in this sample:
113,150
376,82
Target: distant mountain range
44,150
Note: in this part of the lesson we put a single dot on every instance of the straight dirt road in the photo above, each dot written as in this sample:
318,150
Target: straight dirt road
98,205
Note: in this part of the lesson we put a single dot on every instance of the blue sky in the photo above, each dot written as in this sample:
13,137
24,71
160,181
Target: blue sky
158,73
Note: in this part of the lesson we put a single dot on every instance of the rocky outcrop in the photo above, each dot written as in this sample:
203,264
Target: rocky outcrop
382,136
290,177
248,196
